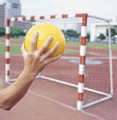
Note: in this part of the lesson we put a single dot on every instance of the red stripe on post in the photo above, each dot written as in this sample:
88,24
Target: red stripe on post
82,60
8,22
80,96
84,18
79,15
7,48
81,79
65,16
83,40
52,17
7,36
32,18
8,73
16,19
23,18
7,60
42,18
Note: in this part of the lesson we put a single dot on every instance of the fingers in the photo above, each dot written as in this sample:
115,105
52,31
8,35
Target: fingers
52,59
42,52
45,45
33,46
50,52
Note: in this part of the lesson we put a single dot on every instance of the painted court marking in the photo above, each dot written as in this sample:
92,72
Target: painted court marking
52,100
89,62
62,104
88,58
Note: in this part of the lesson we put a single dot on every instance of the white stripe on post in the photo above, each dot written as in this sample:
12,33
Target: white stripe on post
7,78
7,55
7,30
81,69
79,105
83,31
82,50
80,87
7,67
7,42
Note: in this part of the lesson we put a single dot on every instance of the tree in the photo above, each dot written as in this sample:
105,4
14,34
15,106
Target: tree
101,36
113,32
88,37
71,33
2,31
16,32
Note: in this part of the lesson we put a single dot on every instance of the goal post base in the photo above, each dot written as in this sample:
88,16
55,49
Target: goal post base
106,96
109,96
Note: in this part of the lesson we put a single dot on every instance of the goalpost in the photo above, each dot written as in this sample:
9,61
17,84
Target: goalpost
93,60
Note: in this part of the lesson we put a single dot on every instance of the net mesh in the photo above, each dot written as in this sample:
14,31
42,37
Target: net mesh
66,69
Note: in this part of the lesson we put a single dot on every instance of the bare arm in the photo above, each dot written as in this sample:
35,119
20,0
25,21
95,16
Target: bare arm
34,62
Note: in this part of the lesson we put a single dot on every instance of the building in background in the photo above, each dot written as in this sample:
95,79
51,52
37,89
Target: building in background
8,9
99,28
72,26
2,15
12,8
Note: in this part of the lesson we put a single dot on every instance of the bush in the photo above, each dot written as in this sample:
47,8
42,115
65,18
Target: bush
71,33
16,32
113,32
101,37
2,31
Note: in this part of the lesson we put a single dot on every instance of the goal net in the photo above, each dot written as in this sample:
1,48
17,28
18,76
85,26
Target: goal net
86,64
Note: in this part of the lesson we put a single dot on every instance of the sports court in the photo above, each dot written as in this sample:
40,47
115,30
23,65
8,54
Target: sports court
49,100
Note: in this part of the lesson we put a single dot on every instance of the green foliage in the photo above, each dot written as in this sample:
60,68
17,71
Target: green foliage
101,36
2,31
88,37
71,33
16,32
113,32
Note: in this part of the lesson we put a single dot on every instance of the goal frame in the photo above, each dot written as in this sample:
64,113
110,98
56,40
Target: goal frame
82,58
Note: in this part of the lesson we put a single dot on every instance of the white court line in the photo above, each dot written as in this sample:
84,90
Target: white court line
97,117
52,100
88,58
62,104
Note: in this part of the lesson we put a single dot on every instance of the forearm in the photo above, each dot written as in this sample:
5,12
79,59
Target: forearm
34,62
13,93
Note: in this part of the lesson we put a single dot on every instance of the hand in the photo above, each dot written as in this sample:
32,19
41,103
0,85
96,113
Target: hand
35,60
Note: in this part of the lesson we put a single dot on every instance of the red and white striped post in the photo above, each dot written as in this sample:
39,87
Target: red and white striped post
82,62
7,52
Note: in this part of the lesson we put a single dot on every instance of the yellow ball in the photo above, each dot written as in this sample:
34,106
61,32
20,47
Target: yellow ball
45,30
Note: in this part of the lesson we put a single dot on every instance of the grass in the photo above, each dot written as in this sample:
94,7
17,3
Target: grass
93,45
13,49
2,49
71,52
17,39
72,43
101,46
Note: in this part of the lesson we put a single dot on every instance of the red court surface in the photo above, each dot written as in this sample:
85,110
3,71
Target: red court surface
46,100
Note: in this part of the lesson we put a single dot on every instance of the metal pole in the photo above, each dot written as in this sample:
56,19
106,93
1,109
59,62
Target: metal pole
110,56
